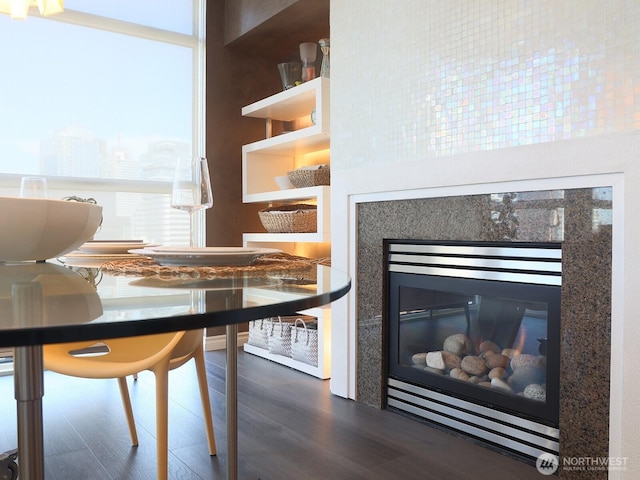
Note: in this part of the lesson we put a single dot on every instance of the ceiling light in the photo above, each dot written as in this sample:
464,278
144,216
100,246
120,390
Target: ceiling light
20,8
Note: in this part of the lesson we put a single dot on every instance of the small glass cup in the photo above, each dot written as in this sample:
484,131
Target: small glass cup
289,74
33,187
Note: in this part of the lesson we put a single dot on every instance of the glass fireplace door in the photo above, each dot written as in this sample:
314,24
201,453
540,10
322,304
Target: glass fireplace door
490,342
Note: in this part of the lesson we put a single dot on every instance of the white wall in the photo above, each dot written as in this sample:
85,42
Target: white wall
433,98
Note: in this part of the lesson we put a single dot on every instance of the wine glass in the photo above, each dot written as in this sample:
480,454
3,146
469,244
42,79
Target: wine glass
33,187
191,189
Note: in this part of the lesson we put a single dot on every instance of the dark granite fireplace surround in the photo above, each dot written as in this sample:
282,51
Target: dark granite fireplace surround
579,218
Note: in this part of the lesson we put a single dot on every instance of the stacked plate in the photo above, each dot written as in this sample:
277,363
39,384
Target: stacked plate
96,252
203,256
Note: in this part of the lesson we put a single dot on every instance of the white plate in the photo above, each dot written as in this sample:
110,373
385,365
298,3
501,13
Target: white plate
206,256
111,247
205,250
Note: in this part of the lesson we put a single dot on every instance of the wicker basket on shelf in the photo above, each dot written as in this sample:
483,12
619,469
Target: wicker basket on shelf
310,177
297,218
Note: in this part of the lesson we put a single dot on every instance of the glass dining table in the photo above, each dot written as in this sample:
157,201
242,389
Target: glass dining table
45,302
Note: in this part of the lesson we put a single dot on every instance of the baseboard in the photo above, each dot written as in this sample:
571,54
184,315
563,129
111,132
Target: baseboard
219,342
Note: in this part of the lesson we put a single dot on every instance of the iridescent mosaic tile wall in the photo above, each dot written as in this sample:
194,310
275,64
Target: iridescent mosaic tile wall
432,82
436,78
530,75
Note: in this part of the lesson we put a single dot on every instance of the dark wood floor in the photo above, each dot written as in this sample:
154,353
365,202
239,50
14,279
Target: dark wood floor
290,427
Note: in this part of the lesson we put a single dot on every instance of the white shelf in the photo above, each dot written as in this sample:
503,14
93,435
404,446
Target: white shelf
291,104
298,142
260,169
323,370
318,371
288,245
287,237
323,210
258,294
275,156
287,195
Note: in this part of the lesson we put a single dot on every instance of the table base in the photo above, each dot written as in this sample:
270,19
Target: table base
29,389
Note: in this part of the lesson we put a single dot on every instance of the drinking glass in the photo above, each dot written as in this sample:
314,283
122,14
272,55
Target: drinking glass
191,189
33,187
308,52
289,74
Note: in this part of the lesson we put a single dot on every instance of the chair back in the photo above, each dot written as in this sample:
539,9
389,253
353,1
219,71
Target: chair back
185,348
125,356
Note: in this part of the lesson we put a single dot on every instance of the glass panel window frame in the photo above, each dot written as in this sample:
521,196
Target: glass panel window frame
53,95
101,117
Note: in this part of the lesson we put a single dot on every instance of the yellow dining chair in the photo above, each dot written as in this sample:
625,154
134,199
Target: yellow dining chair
128,356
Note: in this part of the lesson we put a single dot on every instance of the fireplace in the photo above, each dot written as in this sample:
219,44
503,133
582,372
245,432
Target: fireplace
472,335
579,219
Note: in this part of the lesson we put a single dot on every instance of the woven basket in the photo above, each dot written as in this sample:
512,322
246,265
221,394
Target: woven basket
280,336
259,333
304,343
298,218
303,177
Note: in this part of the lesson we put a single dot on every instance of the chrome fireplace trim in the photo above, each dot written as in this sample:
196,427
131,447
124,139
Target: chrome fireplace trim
474,268
540,266
519,435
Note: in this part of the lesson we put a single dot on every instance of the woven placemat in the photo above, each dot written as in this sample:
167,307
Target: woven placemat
278,263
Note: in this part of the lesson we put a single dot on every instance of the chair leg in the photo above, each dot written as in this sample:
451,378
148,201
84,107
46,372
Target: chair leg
126,402
204,397
162,419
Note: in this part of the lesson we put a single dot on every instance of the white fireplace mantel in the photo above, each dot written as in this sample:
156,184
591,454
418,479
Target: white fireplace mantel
610,160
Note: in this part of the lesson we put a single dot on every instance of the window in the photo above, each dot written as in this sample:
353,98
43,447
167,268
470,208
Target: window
101,100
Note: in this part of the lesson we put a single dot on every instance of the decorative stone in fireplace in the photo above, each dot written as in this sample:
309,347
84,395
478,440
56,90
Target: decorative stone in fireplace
580,219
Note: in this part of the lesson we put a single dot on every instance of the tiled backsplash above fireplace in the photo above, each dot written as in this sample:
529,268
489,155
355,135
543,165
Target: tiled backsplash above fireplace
580,218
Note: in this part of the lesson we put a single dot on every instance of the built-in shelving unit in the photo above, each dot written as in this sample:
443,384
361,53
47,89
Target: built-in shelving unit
262,161
323,368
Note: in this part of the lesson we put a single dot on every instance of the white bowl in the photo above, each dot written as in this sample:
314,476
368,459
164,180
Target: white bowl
40,228
283,182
